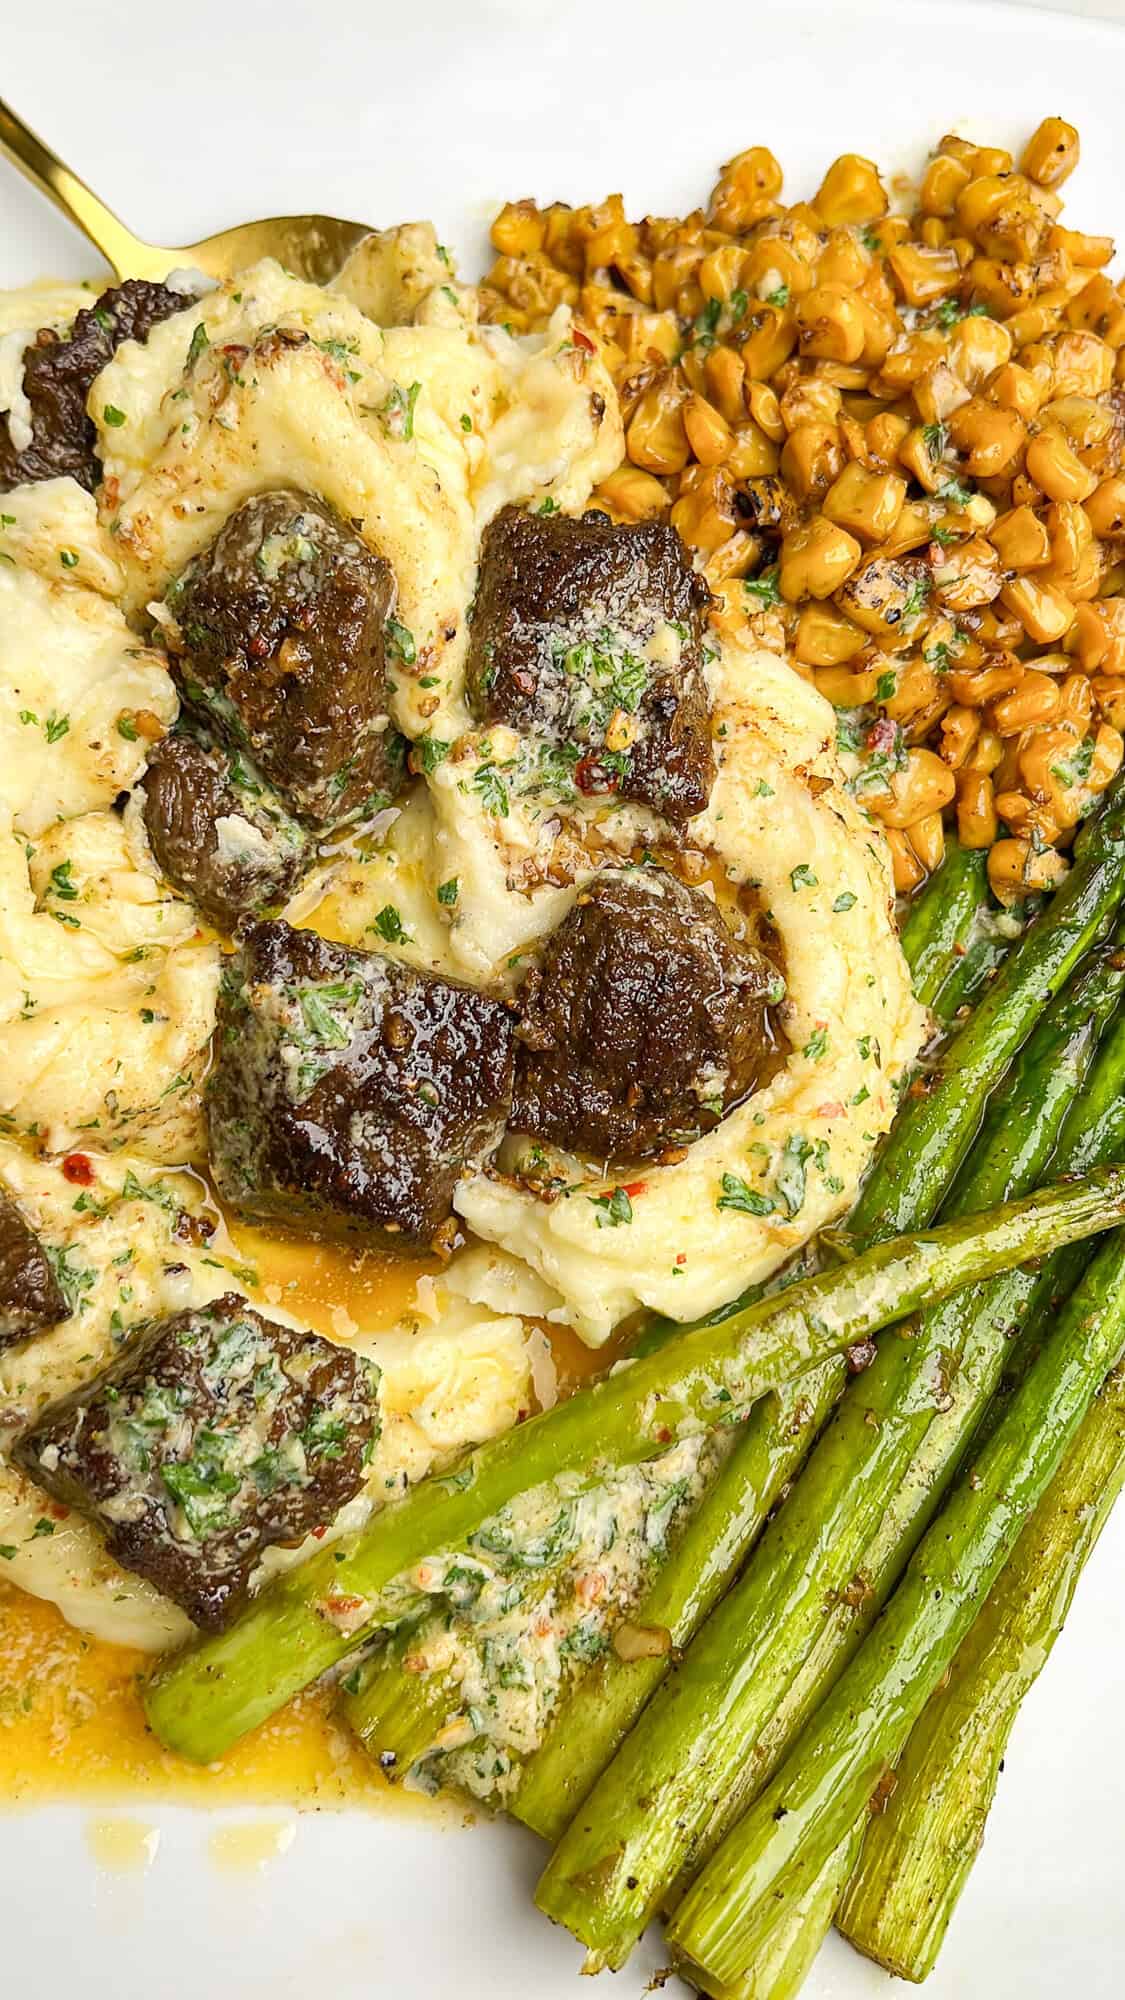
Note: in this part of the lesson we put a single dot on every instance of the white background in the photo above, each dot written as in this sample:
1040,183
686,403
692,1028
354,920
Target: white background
192,116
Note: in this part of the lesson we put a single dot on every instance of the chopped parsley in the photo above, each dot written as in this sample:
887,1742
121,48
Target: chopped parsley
802,877
765,587
448,892
401,642
737,1194
613,1209
491,790
61,884
56,727
844,901
113,416
388,923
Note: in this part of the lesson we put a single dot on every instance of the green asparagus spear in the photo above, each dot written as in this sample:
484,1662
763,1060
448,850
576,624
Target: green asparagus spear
396,1714
683,1773
940,920
943,1123
837,1765
789,1940
918,1854
204,1699
602,1707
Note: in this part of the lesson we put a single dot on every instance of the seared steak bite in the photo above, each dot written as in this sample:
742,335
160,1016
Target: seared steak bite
30,1294
643,1023
349,1092
212,1435
219,832
591,636
277,635
58,371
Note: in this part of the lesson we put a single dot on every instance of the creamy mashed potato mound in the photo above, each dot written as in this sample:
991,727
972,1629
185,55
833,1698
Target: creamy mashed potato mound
385,395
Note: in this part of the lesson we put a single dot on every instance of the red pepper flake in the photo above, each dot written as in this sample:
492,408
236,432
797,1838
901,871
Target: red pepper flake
318,1534
883,734
634,1188
582,339
590,775
663,1435
681,1257
833,1109
77,1169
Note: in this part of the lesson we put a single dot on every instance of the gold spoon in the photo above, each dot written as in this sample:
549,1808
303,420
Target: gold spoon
311,246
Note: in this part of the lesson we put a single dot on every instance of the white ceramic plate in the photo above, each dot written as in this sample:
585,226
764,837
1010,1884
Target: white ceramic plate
192,116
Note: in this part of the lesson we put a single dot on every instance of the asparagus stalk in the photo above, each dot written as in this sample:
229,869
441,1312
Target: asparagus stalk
682,1774
773,1854
940,920
917,1856
944,1122
398,1714
789,1939
601,1708
204,1699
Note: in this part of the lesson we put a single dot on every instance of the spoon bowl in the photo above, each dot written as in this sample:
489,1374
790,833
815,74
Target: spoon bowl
311,246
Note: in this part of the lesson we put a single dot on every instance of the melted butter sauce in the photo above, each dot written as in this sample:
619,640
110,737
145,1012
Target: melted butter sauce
71,1723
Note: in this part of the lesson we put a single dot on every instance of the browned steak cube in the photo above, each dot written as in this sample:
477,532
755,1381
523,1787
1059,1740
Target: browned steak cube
591,636
279,639
30,1294
212,1435
350,1092
219,831
643,1023
58,373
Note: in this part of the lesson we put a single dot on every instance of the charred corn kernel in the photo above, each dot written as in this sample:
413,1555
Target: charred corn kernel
1099,308
1035,700
830,325
632,495
724,373
722,272
811,459
1057,469
639,334
942,182
1086,423
656,439
921,274
671,271
736,557
938,393
766,411
1020,539
996,627
770,340
978,159
922,452
845,689
704,515
774,263
990,439
919,696
977,823
1109,748
974,686
885,433
816,559
1105,508
1015,388
851,191
1076,701
977,348
1003,287
909,359
1015,869
1051,153
1025,493
1109,692
1051,762
518,229
746,191
810,400
1070,535
913,527
708,433
843,261
866,503
824,638
999,212
924,785
960,728
752,454
1042,609
1099,636
906,870
933,232
1028,818
1083,364
1089,253
987,752
927,840
967,575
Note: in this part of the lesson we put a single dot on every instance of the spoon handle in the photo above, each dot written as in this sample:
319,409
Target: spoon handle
46,172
